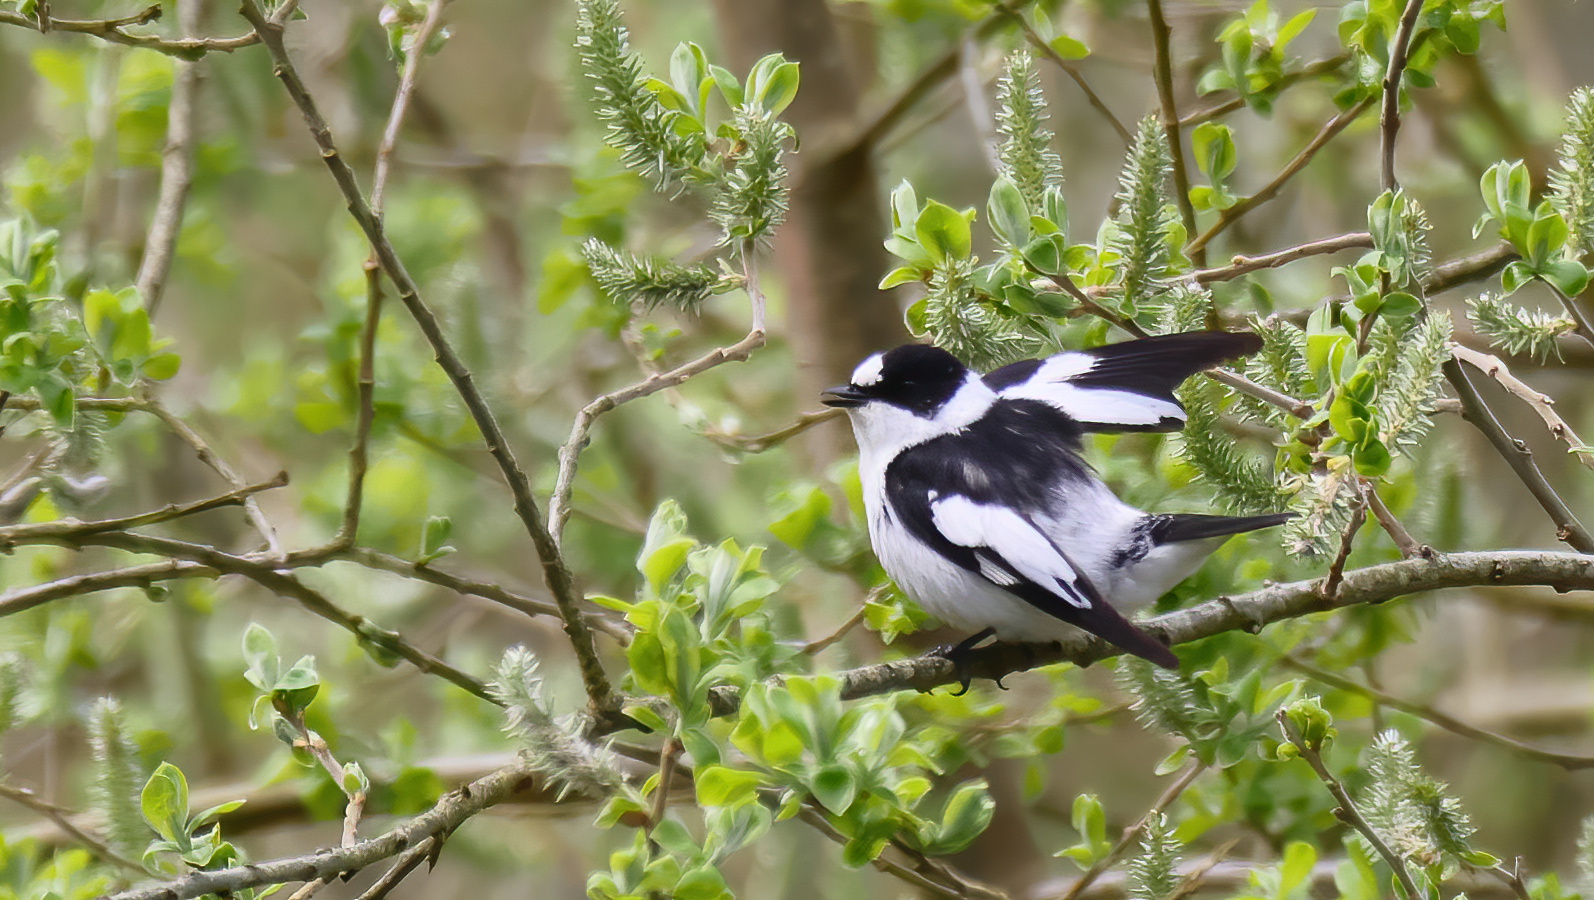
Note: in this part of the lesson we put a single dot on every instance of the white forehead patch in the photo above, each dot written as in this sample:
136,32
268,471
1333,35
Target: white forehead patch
868,371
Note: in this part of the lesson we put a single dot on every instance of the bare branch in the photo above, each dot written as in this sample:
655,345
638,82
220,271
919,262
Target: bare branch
218,465
1233,104
1245,265
112,30
1168,109
1249,612
62,819
1543,404
1389,119
1229,216
177,167
1570,762
450,812
758,443
561,582
70,528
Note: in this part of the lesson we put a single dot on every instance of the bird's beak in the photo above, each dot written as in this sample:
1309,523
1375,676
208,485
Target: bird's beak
844,397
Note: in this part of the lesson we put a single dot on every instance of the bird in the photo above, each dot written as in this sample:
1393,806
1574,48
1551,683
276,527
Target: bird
981,508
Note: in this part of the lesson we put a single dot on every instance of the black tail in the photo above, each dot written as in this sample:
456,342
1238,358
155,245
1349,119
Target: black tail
1175,527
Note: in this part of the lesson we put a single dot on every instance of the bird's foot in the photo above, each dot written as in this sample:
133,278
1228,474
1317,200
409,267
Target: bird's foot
958,655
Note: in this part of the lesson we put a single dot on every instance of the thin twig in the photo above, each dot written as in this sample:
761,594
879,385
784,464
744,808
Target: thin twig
61,817
177,167
964,884
1542,404
1324,135
1519,458
69,528
1567,761
1404,542
1244,265
20,599
570,452
853,621
218,465
408,862
1310,70
453,809
817,819
1585,329
1389,118
1070,68
1346,811
1336,569
112,30
1130,835
758,443
600,692
1168,109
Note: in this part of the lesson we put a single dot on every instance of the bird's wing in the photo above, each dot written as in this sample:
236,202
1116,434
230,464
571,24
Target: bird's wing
1122,387
1005,547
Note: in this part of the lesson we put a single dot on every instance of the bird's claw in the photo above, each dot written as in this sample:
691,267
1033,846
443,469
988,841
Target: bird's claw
958,655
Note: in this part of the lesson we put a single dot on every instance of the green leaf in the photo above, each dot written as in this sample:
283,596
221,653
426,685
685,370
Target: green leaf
967,814
1299,859
901,275
260,655
164,803
1569,276
1007,212
1046,254
943,232
722,786
162,366
834,787
779,89
1400,306
1214,150
215,812
434,539
1069,48
355,780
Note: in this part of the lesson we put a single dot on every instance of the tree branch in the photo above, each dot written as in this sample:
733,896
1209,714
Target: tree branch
73,528
1248,612
1130,835
1389,118
1324,135
1162,68
561,583
112,30
1244,265
450,812
1543,404
177,167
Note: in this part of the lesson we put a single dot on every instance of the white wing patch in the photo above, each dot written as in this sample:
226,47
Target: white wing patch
1013,539
1051,384
868,371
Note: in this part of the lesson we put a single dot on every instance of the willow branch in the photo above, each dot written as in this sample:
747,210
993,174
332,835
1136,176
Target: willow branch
18,600
177,167
1168,107
561,582
758,443
1542,404
1346,811
1389,118
1071,69
62,818
1244,265
570,452
454,809
112,30
1130,835
209,457
1567,761
70,528
1233,104
1248,612
1517,455
1324,135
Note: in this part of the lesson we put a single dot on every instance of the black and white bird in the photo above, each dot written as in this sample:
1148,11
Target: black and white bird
982,510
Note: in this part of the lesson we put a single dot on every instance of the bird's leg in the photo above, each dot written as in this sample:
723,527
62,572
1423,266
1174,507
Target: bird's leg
958,655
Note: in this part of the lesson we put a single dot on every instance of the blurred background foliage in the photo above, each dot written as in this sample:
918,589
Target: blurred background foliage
502,184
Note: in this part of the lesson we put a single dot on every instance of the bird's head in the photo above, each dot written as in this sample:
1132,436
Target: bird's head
910,394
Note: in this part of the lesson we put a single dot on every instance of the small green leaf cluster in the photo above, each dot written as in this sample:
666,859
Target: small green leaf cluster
28,872
1572,181
1253,55
185,841
402,20
1221,719
1216,157
1291,879
670,131
1415,815
1517,330
1539,233
862,765
284,694
1367,28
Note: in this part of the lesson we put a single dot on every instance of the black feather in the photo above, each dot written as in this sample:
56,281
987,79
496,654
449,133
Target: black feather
1171,528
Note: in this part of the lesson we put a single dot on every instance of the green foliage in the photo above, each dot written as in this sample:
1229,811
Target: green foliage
1027,158
1254,49
1414,814
1539,233
1222,719
1572,182
553,745
1517,330
1216,157
1148,222
117,776
13,681
1154,872
1405,403
653,283
1241,481
185,841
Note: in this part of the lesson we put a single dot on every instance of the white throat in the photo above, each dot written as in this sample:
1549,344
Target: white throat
884,430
